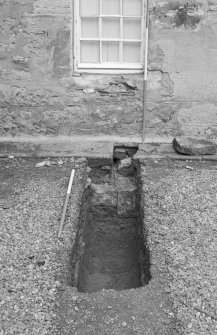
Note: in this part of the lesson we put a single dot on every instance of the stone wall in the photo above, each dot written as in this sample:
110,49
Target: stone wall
41,95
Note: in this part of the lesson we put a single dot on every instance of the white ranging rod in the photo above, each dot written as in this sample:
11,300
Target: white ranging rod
66,203
145,71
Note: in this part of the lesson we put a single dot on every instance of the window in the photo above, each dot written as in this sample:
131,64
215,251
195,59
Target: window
109,35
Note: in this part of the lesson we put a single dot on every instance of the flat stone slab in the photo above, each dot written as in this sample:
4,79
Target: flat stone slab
158,150
194,147
153,148
89,149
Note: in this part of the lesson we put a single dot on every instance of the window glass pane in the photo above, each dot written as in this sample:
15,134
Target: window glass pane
110,7
132,7
110,52
89,7
131,52
111,28
89,28
89,52
132,29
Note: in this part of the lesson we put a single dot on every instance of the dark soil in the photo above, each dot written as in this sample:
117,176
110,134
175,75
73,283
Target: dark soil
111,259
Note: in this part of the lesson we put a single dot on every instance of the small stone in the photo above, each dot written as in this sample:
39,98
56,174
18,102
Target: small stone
124,163
88,182
189,167
48,163
88,90
89,169
125,168
192,147
106,168
124,324
42,164
40,263
60,162
9,204
11,157
76,309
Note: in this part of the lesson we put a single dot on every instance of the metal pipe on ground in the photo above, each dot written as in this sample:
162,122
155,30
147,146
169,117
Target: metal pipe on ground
66,203
145,71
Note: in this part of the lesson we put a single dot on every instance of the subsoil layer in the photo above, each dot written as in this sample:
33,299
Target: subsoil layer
111,257
110,251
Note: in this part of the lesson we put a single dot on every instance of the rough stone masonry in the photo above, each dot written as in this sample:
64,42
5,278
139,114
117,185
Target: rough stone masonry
40,94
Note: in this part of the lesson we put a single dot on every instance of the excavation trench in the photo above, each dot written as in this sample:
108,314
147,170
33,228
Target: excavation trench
110,249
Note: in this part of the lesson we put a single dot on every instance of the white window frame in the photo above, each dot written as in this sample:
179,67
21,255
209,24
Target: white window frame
110,68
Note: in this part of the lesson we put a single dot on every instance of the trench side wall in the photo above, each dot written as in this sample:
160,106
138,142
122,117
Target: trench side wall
41,95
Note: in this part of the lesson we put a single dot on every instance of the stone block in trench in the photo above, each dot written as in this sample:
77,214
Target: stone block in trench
103,194
120,153
194,147
127,203
125,167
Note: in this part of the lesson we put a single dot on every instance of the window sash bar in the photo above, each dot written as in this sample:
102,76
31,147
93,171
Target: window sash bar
100,31
105,65
121,32
110,40
77,20
111,16
142,51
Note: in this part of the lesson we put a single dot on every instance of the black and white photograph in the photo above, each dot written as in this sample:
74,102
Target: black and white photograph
108,167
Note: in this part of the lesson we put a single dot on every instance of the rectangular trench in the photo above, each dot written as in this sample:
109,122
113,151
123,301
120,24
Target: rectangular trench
110,250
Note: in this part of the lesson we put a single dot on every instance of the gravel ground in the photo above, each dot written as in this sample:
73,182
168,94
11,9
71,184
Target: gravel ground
181,218
33,261
180,206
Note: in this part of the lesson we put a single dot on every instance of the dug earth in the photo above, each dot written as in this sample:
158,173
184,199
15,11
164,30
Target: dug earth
111,251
